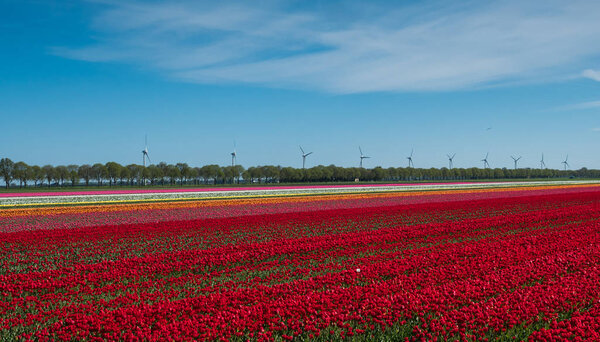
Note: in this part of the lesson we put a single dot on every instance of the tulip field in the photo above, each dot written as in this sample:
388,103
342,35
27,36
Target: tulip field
491,263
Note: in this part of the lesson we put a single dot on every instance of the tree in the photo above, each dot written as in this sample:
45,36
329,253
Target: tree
6,170
173,173
21,172
184,170
61,173
99,172
237,172
73,174
113,171
133,172
37,175
229,172
154,173
270,173
48,171
379,173
193,174
164,168
85,172
254,173
288,174
123,174
214,172
146,174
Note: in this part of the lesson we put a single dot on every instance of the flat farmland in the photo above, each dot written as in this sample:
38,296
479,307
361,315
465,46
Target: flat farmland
479,263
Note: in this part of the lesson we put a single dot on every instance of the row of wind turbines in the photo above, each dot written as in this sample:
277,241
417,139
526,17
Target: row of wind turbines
486,165
516,161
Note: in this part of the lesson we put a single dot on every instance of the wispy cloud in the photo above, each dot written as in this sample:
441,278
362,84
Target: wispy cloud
364,49
591,104
580,106
592,74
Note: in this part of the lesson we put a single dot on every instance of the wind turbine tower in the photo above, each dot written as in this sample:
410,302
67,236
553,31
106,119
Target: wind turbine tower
450,161
362,156
304,155
233,155
566,162
410,161
542,164
145,152
516,160
485,161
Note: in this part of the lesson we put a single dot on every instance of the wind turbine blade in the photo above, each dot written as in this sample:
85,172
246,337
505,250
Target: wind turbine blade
301,149
360,150
309,153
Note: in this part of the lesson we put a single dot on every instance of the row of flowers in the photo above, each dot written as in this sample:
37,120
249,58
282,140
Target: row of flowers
51,217
142,191
503,268
100,197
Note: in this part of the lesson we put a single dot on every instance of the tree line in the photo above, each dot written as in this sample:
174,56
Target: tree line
110,174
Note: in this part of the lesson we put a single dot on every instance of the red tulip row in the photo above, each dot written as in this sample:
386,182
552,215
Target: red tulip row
67,247
499,268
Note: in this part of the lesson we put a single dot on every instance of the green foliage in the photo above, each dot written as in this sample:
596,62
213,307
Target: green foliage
164,174
6,170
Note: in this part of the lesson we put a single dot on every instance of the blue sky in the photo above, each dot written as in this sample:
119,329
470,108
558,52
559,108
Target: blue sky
83,82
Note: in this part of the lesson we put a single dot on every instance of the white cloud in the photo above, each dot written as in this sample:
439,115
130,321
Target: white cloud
592,74
375,48
582,105
591,104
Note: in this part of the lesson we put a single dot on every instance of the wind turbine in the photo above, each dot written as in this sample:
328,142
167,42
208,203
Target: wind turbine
542,164
233,155
485,161
304,155
362,156
566,162
450,159
410,161
145,152
516,160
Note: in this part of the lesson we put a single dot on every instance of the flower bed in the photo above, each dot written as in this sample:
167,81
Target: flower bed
522,267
